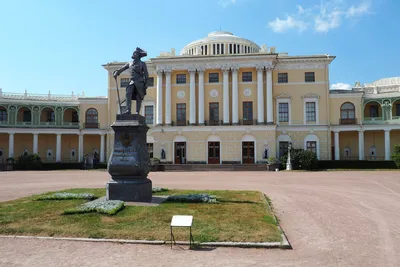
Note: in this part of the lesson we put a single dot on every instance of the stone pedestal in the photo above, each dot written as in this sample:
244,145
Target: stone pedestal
129,161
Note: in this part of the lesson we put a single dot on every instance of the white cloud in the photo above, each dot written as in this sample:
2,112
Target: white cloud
226,3
282,25
359,10
340,86
328,15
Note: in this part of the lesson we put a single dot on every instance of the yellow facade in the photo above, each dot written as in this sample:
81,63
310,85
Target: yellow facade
239,104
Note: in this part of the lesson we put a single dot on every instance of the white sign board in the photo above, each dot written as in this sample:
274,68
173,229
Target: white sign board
182,221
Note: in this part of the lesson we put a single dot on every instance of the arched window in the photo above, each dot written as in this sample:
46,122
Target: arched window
92,118
347,113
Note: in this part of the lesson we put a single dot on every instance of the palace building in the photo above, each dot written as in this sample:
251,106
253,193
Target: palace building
223,99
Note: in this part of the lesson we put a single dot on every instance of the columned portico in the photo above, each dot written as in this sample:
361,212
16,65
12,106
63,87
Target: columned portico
159,98
361,145
260,95
225,95
11,145
192,97
235,96
337,148
80,147
102,158
270,112
35,143
167,97
201,96
58,149
387,145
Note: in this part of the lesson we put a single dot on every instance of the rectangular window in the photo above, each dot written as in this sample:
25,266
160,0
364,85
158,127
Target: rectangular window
124,82
75,117
150,82
181,78
181,114
50,116
150,150
309,77
282,78
3,115
149,114
312,146
213,77
373,111
27,116
397,109
247,76
214,113
310,112
283,148
283,112
248,113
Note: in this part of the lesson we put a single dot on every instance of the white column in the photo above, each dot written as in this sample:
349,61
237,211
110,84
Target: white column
80,148
361,145
159,98
235,96
11,145
260,95
35,143
201,96
167,97
337,148
226,95
192,97
387,144
102,148
58,152
270,110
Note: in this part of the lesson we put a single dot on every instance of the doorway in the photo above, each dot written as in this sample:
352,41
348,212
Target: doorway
213,153
248,152
180,152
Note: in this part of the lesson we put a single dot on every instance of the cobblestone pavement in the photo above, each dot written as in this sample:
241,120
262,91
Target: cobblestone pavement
330,218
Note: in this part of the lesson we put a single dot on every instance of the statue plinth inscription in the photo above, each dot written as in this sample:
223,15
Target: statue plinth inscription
129,161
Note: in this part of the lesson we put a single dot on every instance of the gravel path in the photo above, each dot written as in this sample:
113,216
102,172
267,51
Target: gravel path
330,219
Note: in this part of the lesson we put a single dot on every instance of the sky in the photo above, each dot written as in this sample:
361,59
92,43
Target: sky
60,45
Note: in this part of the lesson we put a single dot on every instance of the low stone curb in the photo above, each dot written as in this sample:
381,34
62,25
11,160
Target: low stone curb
155,242
285,242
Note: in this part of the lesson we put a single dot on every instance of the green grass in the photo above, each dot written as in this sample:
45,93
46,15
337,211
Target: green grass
241,216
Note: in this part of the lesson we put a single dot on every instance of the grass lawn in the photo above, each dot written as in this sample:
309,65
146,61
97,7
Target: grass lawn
241,216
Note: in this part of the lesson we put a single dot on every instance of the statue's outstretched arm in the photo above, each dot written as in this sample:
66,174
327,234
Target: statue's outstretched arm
118,72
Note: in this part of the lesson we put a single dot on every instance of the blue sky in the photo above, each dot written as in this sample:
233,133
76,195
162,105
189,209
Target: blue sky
61,45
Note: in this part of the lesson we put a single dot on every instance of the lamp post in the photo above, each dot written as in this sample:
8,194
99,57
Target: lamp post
289,163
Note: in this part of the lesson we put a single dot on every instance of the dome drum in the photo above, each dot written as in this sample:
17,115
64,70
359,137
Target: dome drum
220,43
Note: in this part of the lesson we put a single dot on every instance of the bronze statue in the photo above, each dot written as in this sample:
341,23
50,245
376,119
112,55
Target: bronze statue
138,76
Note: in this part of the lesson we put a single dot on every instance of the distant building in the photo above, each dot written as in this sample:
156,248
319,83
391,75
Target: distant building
224,99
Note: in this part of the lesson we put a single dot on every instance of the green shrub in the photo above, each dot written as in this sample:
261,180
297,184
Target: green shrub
301,159
29,162
396,155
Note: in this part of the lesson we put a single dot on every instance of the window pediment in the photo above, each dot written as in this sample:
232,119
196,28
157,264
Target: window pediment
283,96
310,95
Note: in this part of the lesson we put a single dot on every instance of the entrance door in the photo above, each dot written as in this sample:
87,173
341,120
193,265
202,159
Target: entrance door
213,153
248,152
180,152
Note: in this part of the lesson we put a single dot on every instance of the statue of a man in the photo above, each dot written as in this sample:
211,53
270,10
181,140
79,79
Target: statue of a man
138,76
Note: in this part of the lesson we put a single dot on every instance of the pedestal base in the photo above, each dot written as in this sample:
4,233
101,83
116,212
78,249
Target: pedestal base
135,190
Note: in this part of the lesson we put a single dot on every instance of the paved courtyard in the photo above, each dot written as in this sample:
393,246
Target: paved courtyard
330,218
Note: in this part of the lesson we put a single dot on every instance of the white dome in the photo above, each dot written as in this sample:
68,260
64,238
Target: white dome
386,81
220,43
